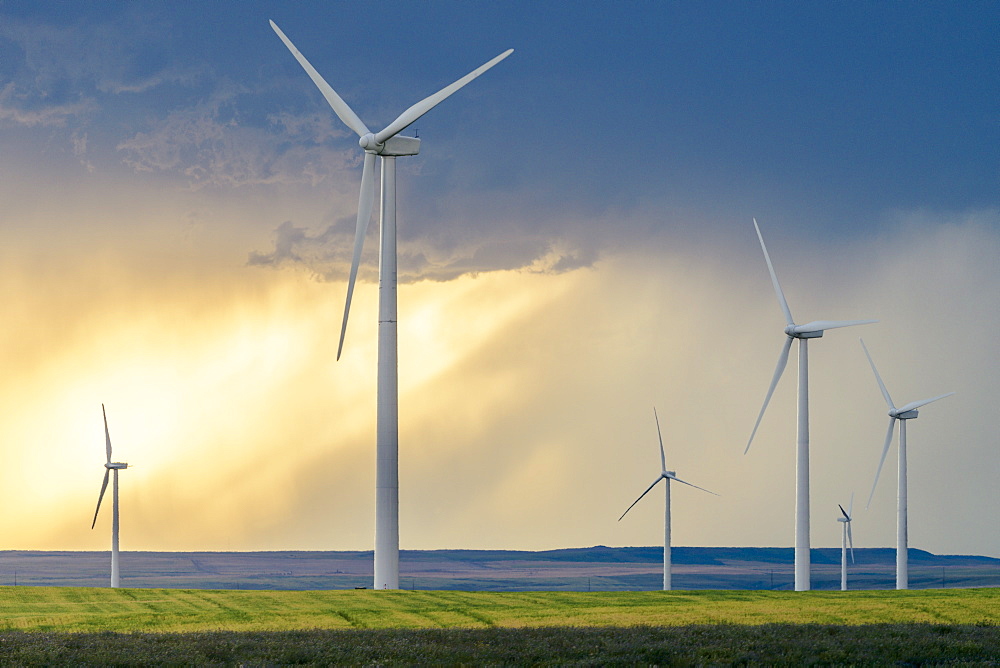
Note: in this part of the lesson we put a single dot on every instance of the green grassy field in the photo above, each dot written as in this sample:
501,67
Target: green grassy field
71,609
142,627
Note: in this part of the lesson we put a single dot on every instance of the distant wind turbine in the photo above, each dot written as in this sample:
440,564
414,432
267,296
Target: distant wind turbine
666,476
110,466
907,412
847,518
387,144
811,330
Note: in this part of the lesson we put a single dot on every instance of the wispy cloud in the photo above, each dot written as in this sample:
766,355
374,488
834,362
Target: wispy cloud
18,110
212,144
121,55
80,150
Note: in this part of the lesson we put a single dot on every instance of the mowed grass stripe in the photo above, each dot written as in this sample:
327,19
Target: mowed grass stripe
72,609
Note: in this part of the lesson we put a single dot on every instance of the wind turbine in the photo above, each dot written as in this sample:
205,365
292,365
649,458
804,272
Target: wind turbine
110,466
848,516
387,144
810,330
907,412
667,476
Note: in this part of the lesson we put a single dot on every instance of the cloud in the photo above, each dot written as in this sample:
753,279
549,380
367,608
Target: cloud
125,53
18,108
327,255
294,245
53,116
213,144
444,236
80,150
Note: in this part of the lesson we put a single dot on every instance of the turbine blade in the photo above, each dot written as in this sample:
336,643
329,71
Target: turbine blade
850,541
823,325
885,451
365,202
923,402
428,103
850,507
663,457
782,362
107,434
881,385
107,472
640,497
685,482
344,112
774,278
844,512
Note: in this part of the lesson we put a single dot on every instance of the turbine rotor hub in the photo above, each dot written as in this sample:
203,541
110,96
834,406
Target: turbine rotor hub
368,143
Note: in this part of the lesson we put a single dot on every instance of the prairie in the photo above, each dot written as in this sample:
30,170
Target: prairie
142,627
73,609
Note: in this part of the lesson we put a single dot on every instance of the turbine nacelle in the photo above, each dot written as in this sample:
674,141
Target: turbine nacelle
792,332
393,146
116,465
903,415
816,328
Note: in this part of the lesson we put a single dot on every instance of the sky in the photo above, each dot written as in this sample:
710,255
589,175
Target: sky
576,247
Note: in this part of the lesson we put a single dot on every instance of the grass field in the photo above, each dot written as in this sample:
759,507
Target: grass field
71,609
700,645
140,627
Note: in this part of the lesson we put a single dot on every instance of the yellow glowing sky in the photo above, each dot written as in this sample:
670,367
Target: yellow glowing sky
525,398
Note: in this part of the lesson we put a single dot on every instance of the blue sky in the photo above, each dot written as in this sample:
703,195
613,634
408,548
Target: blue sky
179,210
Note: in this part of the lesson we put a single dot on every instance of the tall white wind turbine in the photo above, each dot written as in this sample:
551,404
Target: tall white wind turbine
110,466
810,330
666,476
907,412
387,144
848,517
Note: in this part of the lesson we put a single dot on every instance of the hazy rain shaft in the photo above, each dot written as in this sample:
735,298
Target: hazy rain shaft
175,238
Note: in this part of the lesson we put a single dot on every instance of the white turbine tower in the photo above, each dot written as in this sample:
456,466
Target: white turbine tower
110,466
810,330
907,412
387,144
848,517
667,476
